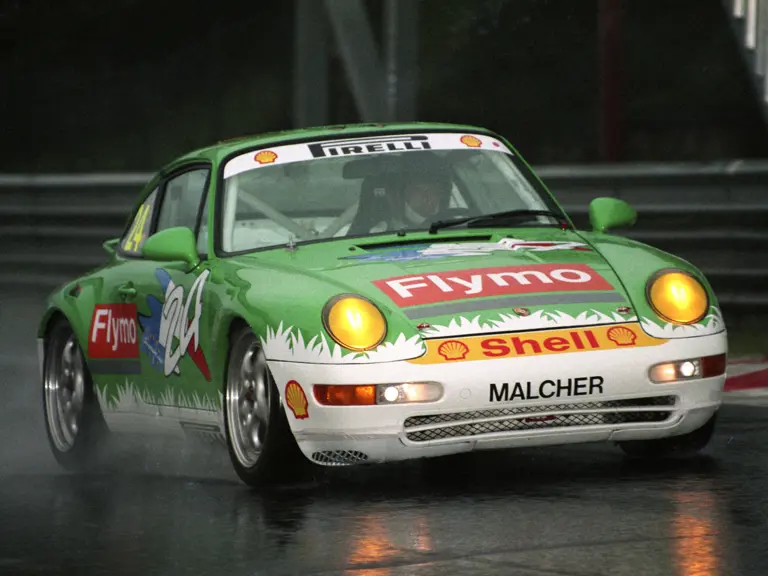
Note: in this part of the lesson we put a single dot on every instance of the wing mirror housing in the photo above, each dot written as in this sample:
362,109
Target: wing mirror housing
609,213
172,245
111,245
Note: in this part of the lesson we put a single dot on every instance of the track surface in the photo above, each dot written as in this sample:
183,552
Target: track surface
177,508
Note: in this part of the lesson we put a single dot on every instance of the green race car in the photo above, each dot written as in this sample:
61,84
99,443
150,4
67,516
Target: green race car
369,293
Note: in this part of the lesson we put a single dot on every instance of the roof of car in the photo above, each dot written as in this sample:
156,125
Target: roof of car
226,147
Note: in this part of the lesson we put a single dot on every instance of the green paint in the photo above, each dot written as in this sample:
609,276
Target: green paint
610,213
171,245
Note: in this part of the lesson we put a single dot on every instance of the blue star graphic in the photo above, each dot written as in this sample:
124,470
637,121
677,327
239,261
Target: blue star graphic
150,343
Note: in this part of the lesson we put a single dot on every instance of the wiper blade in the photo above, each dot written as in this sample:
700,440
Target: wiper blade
495,217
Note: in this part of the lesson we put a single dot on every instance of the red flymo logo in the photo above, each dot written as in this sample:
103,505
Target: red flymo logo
481,282
113,333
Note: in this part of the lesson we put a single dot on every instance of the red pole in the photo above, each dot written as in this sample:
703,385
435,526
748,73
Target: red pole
611,136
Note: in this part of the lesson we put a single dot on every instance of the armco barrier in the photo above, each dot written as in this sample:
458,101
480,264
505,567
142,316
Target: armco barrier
714,215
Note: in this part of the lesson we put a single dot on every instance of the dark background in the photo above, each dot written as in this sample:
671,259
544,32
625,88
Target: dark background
129,84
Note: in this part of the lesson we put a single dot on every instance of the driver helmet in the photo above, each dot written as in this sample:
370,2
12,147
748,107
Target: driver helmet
425,193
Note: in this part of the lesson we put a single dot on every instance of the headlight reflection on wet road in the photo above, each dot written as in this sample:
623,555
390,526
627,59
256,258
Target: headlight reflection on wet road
697,541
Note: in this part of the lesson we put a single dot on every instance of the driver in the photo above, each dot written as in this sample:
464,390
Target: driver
424,196
413,199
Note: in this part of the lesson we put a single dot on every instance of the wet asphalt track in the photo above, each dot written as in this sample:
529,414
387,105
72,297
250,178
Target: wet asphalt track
178,509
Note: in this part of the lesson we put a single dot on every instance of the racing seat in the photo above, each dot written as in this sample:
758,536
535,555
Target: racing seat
378,198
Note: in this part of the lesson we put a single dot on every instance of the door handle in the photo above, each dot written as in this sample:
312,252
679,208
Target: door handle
127,290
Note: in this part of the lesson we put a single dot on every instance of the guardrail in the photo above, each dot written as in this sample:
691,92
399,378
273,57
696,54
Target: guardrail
750,25
713,215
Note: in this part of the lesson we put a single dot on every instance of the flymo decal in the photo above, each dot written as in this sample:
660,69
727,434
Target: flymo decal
481,282
169,335
296,400
437,251
113,345
540,343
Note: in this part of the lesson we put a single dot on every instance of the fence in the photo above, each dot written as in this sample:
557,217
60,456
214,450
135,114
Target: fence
714,215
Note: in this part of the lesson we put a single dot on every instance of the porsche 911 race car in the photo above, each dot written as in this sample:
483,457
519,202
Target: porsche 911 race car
371,293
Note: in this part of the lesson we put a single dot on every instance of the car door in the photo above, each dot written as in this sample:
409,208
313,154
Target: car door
174,311
114,334
152,315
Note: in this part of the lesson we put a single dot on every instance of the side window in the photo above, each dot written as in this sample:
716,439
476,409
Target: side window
202,233
181,201
139,230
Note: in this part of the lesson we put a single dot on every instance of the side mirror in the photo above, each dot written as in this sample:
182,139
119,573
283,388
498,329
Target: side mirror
111,245
608,213
172,245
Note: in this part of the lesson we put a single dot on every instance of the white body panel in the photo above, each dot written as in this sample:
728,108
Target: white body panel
379,432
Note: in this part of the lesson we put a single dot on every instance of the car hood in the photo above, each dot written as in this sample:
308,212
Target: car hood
452,284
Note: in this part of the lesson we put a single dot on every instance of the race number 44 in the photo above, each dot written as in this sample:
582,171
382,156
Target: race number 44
136,235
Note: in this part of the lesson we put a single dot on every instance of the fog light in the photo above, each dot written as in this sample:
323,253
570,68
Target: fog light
391,394
691,369
410,392
688,369
372,394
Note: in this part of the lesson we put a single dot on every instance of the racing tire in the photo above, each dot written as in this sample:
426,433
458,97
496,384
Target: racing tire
675,446
261,446
74,423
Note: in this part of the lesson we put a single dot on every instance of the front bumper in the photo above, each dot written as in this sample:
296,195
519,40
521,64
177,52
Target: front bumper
622,403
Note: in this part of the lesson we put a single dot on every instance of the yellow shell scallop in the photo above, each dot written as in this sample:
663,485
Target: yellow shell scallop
296,399
453,350
265,157
622,336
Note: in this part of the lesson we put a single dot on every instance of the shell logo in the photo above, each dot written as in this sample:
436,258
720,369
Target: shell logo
296,400
622,336
453,350
265,157
471,141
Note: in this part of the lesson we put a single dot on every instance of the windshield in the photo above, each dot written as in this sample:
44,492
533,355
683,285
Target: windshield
373,185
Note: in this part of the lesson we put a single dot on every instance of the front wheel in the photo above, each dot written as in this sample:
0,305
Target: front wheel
685,445
261,446
73,419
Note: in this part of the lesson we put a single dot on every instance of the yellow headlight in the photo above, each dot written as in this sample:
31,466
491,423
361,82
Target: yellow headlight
678,297
354,322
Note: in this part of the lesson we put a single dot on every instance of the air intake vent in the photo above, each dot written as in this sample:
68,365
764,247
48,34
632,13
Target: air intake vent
339,457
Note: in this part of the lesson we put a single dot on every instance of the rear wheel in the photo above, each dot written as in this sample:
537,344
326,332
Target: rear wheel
73,419
685,445
261,446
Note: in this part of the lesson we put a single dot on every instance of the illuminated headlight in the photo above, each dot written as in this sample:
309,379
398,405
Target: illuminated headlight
692,369
354,322
373,394
677,297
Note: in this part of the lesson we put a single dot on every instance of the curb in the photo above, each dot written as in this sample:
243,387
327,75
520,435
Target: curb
746,381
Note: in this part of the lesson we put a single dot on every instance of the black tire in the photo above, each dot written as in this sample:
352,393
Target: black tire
280,460
84,450
675,446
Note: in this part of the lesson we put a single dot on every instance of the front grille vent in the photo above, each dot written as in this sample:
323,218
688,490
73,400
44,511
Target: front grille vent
484,422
